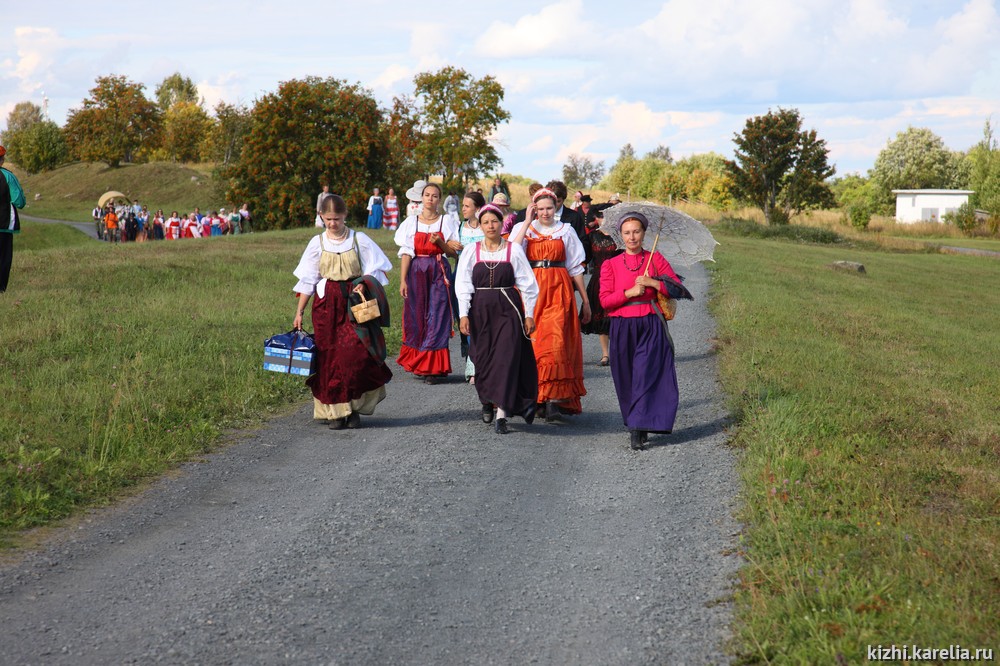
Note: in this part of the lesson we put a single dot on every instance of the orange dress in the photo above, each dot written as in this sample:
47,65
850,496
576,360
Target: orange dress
557,342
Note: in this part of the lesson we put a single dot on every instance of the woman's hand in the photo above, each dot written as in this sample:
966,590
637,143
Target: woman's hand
463,325
359,289
297,322
456,246
529,325
585,313
646,281
635,291
403,291
529,213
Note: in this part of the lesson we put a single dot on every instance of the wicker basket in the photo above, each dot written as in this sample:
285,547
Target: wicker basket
366,310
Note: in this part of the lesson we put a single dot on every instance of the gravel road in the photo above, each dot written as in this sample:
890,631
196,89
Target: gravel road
423,538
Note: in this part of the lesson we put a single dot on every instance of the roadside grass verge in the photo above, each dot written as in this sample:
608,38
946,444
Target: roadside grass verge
867,411
40,236
120,361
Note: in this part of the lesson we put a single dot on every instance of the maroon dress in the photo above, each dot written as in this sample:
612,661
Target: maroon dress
602,248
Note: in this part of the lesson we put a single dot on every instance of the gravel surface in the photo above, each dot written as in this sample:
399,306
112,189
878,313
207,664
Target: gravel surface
422,538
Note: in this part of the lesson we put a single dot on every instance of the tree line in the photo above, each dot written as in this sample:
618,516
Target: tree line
276,154
783,169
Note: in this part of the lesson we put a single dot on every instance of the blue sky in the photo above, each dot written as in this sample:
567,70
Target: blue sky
580,76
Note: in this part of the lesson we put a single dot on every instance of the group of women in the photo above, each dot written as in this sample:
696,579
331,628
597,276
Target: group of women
516,301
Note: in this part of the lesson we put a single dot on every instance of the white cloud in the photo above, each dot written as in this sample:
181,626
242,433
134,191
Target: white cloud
634,122
534,34
539,145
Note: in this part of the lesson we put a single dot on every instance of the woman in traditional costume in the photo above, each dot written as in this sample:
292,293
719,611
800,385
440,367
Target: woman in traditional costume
557,258
375,210
602,247
390,217
469,232
642,354
337,266
496,299
425,276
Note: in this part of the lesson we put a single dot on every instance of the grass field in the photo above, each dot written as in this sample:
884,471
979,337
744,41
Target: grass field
866,410
122,360
870,448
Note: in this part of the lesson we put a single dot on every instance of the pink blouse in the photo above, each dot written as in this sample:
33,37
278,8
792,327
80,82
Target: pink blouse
617,276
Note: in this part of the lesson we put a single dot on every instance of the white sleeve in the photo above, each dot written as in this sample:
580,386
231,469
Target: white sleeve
450,227
308,269
373,259
575,254
463,279
525,279
405,234
513,232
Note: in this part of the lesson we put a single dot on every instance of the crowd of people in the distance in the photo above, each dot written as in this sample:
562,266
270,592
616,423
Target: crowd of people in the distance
123,223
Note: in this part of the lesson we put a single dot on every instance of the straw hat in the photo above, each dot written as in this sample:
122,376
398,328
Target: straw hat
500,199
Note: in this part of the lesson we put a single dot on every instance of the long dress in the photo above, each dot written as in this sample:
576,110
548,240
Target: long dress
427,315
349,377
602,248
497,290
375,213
555,258
390,216
467,237
642,354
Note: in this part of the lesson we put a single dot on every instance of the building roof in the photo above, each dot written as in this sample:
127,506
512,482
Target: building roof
933,192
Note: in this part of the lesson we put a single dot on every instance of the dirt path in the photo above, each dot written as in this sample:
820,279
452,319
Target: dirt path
422,538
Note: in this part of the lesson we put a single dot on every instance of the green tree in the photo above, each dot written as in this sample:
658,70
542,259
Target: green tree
984,176
661,152
308,132
21,118
916,159
185,128
403,164
622,174
115,124
458,117
225,138
702,177
581,172
780,168
42,147
173,89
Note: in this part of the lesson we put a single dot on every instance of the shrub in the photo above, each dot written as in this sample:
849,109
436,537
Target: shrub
859,214
744,227
964,219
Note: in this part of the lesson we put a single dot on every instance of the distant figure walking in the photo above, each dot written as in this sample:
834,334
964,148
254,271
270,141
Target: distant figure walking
375,210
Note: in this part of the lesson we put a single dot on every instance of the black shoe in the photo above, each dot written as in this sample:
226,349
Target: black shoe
353,421
552,412
644,436
487,413
529,414
433,379
337,424
635,440
500,426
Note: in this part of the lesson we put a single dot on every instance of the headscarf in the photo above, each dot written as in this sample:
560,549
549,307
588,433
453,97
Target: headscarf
637,216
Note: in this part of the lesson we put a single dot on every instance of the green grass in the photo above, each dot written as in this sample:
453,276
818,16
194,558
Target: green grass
975,243
42,236
870,447
71,192
123,360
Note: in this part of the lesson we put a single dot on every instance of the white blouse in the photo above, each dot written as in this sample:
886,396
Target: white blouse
575,254
524,277
373,261
408,228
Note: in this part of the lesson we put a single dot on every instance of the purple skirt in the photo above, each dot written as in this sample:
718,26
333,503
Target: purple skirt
642,366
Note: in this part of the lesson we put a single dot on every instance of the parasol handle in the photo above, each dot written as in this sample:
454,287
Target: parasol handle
656,242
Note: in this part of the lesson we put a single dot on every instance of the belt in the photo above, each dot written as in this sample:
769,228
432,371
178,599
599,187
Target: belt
650,302
547,263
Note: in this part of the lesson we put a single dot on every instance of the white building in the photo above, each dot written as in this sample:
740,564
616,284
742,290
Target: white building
928,205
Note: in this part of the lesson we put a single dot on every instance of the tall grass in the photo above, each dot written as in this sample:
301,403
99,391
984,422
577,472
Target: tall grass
867,408
121,360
